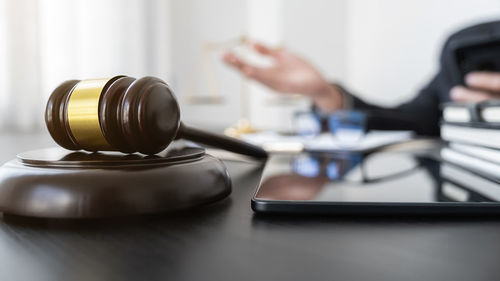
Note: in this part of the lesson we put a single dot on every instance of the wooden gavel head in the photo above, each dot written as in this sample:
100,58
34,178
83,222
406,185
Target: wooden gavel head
121,113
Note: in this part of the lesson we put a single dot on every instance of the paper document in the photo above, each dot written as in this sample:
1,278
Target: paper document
275,142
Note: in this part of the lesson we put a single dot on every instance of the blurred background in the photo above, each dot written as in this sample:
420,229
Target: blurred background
383,50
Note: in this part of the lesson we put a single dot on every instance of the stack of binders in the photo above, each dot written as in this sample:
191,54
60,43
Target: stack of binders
473,135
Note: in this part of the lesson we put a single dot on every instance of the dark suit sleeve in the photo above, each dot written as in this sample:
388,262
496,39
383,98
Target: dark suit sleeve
421,114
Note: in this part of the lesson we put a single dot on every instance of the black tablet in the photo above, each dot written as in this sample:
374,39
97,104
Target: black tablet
379,183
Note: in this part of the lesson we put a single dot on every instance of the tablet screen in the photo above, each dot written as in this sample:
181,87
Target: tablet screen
388,177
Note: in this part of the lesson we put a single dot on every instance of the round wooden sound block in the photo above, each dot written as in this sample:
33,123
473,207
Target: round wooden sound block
57,183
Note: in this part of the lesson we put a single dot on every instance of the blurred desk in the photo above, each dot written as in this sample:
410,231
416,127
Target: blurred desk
227,241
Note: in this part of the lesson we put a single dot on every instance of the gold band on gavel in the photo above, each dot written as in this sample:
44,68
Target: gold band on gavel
83,114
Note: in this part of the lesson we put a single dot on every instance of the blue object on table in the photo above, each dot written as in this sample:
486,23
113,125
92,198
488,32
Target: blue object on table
347,126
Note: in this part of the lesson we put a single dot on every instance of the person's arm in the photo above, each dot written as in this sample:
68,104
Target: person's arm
422,113
292,74
424,109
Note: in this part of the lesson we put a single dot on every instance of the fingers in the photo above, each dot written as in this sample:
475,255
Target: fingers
234,61
483,80
248,70
231,59
462,94
267,76
264,50
481,86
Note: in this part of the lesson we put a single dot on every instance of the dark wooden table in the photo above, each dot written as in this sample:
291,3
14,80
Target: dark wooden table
227,241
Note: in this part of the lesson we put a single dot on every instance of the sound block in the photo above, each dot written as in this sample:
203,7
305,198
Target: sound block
57,183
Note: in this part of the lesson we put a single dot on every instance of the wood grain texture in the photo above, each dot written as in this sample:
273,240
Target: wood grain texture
227,241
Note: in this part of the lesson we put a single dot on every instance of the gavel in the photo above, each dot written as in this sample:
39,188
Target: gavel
125,114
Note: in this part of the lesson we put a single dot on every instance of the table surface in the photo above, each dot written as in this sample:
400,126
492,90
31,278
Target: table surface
228,241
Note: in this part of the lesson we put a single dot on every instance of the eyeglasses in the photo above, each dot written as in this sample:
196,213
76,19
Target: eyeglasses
347,126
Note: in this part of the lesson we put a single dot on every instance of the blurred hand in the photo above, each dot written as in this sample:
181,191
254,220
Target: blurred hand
481,86
289,74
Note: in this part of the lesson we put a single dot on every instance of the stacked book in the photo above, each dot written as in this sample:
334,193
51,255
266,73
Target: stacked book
473,135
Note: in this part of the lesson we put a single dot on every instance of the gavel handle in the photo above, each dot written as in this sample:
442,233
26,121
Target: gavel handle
221,141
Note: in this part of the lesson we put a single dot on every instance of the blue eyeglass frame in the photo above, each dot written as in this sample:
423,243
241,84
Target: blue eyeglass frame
342,119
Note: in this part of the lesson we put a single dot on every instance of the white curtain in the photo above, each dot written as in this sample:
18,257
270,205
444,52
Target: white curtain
45,42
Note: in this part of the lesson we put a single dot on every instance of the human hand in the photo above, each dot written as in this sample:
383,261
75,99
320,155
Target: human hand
480,86
289,74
